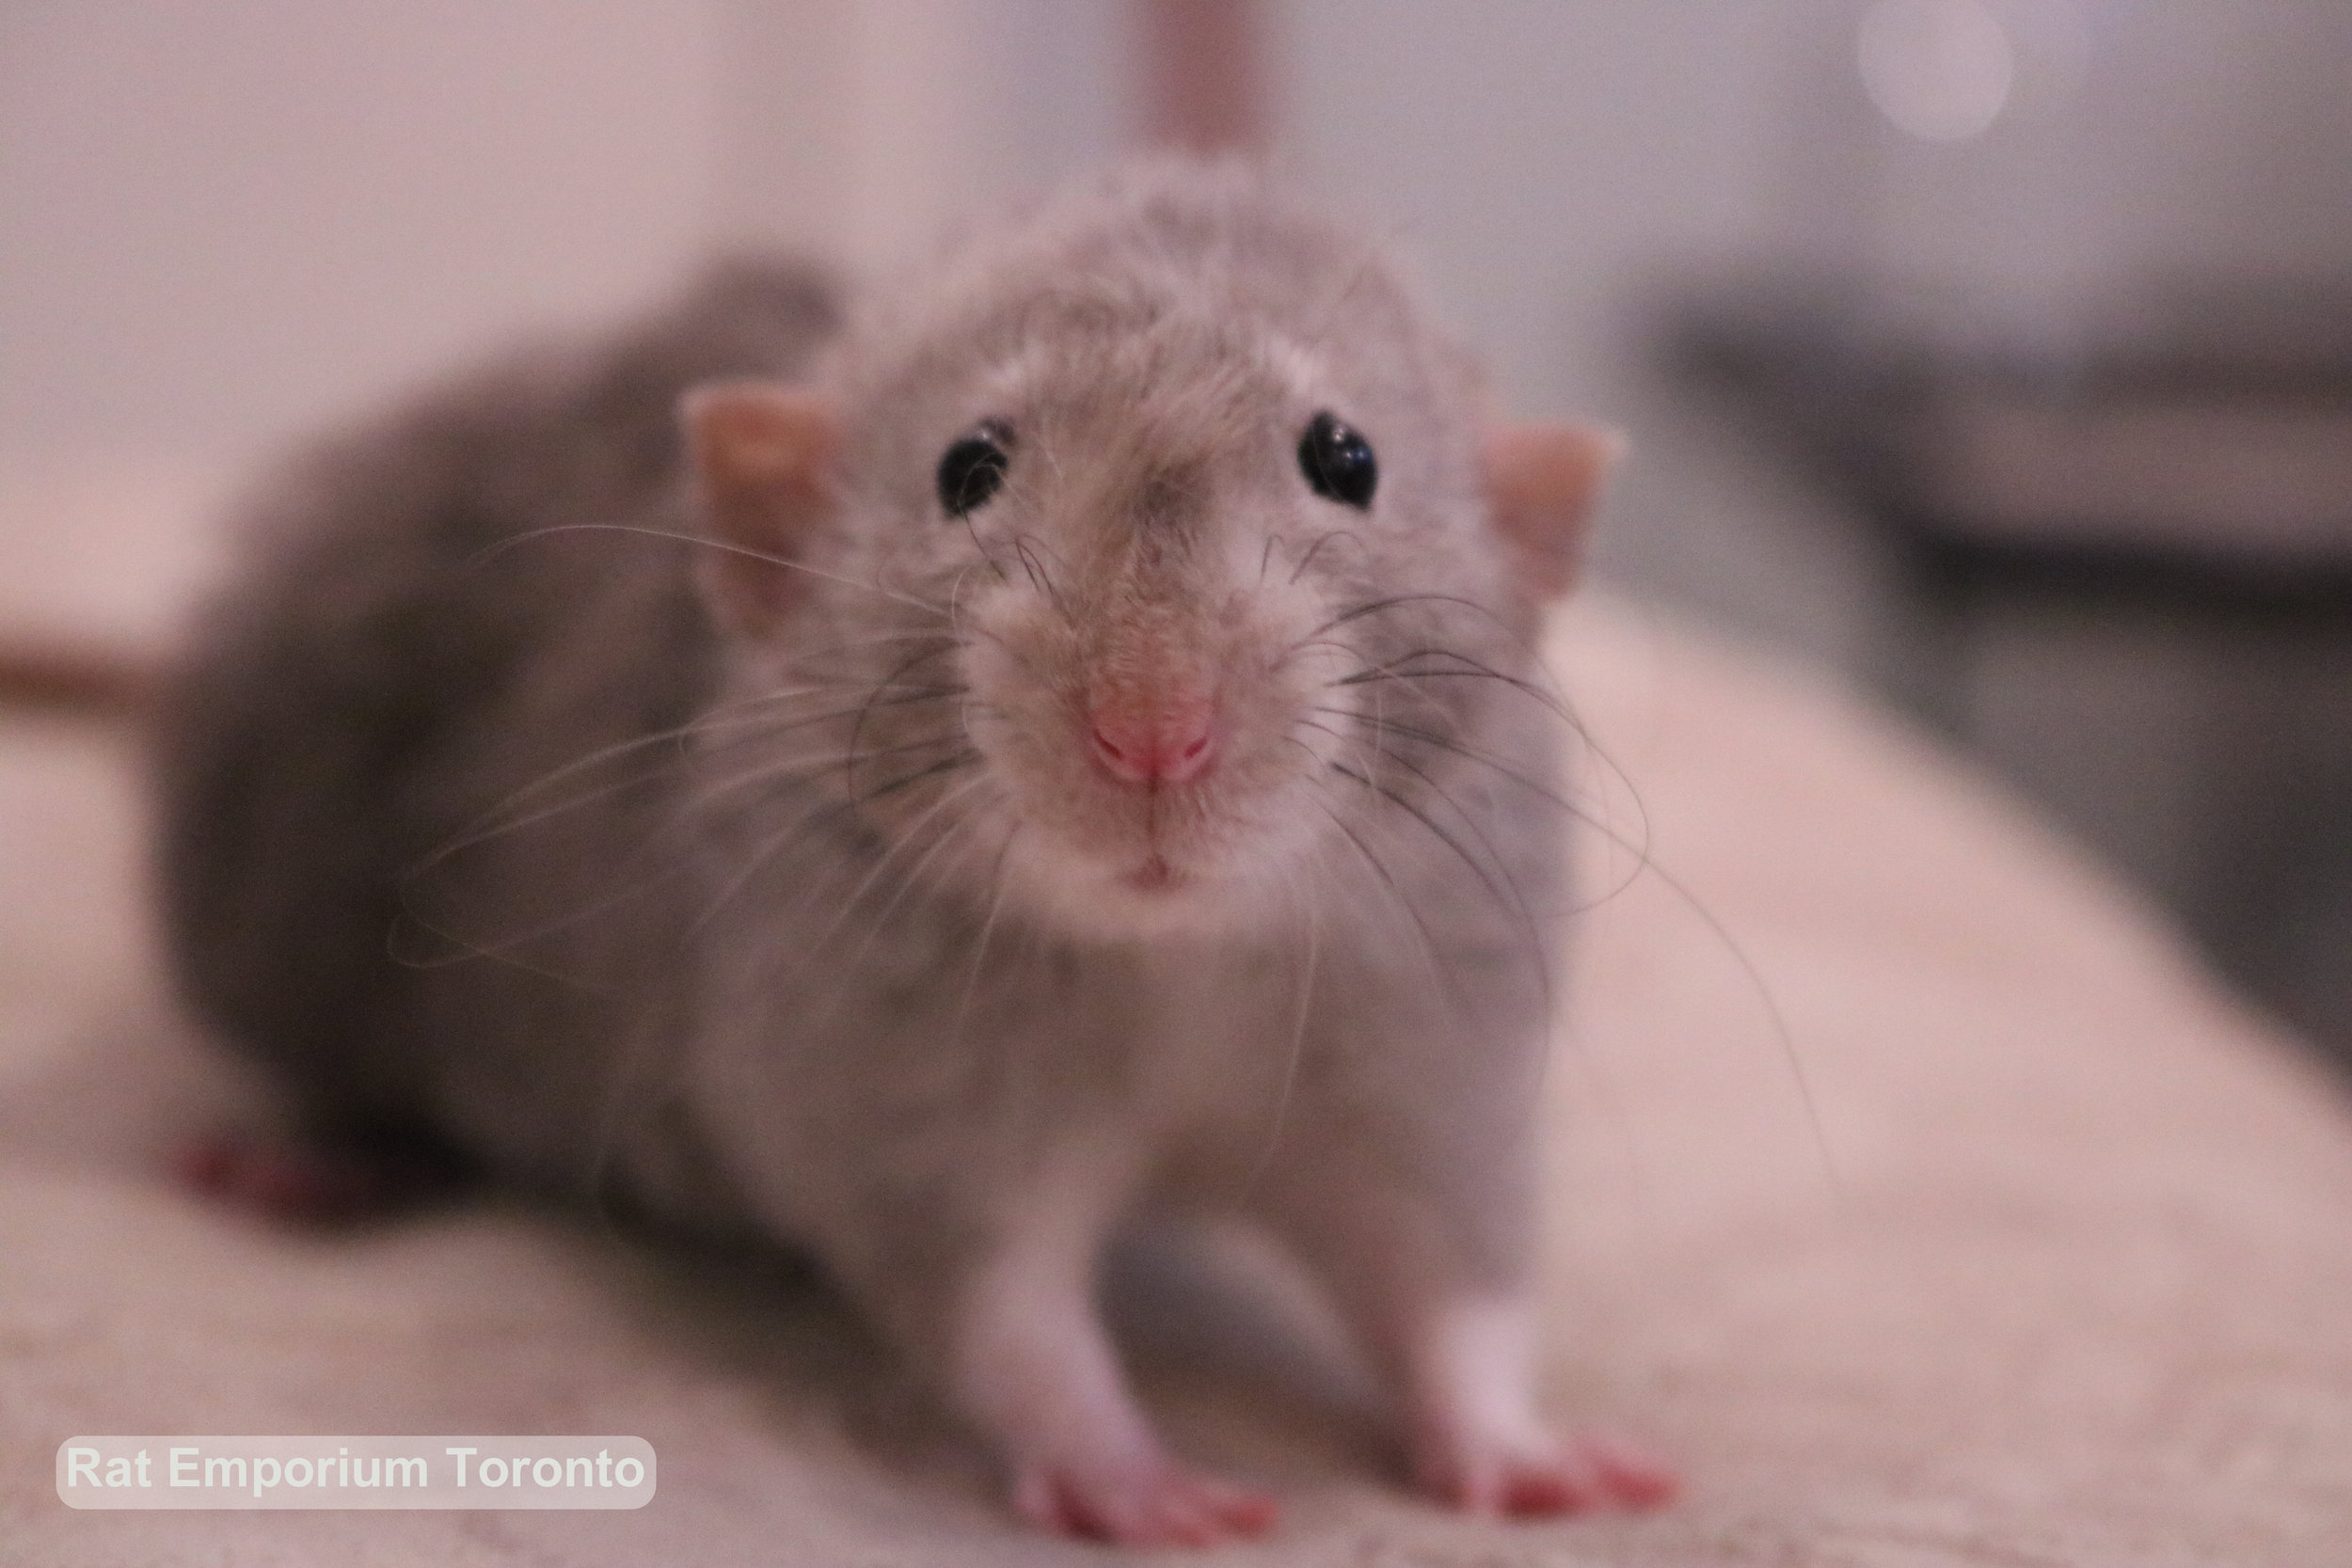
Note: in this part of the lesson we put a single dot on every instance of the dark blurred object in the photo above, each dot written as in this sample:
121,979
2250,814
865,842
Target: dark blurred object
2183,458
73,677
2147,538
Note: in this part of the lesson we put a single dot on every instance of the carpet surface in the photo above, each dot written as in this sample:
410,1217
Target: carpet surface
1909,1184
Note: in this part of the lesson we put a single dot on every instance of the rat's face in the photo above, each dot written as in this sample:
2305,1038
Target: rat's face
1154,644
1155,600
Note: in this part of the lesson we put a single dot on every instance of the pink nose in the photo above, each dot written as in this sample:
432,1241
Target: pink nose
1172,741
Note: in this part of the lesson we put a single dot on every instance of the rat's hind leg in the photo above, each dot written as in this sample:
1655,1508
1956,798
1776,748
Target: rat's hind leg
322,1181
1454,1335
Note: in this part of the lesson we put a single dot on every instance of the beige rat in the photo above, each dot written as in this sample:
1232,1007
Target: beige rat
1061,748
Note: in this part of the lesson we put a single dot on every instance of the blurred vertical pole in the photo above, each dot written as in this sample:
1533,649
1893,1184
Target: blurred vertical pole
863,130
1203,74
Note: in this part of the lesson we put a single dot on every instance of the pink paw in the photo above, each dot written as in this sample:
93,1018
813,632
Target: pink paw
1541,1476
1155,1503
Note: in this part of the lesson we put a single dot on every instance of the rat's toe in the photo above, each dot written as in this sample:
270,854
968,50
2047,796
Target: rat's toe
1631,1475
1160,1503
1536,1475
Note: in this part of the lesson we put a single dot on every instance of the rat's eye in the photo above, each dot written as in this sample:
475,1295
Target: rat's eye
1337,462
974,467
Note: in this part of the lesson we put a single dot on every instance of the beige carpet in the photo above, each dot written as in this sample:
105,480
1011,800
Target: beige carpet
2057,1271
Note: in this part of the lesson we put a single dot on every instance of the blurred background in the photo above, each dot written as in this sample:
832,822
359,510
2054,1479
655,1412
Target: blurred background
1995,355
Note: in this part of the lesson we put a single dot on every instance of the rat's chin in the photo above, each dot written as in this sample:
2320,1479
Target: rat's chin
1156,877
1101,867
1154,892
1141,893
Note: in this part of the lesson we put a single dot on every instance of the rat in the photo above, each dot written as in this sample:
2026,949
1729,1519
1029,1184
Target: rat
937,780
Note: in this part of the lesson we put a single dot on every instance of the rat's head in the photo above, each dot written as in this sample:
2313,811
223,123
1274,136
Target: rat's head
1112,574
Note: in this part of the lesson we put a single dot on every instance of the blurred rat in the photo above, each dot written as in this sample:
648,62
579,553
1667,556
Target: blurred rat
1059,746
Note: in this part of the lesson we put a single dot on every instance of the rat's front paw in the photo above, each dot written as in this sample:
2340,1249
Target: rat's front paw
1478,1441
1531,1474
1149,1502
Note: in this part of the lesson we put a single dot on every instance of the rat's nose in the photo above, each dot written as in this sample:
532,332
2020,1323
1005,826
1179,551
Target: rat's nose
1171,739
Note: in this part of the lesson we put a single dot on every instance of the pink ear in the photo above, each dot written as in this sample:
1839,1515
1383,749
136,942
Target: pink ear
762,457
1542,482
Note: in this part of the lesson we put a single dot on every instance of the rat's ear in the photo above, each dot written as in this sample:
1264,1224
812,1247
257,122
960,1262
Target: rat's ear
1542,482
762,457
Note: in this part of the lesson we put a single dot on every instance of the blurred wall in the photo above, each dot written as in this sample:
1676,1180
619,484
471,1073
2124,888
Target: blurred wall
1558,168
227,222
1544,157
1553,160
222,223
861,128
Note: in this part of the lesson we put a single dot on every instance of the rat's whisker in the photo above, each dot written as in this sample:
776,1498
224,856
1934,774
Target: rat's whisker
1402,601
1500,883
914,873
898,845
1316,548
964,758
1439,972
1039,579
988,928
723,721
1472,669
1312,916
857,730
489,551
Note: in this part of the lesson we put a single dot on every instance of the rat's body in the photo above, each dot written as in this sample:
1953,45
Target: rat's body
994,779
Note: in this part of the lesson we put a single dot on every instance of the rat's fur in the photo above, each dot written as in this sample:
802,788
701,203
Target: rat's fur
787,897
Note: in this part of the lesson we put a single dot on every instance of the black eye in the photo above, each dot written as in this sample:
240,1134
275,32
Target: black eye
974,467
1339,463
